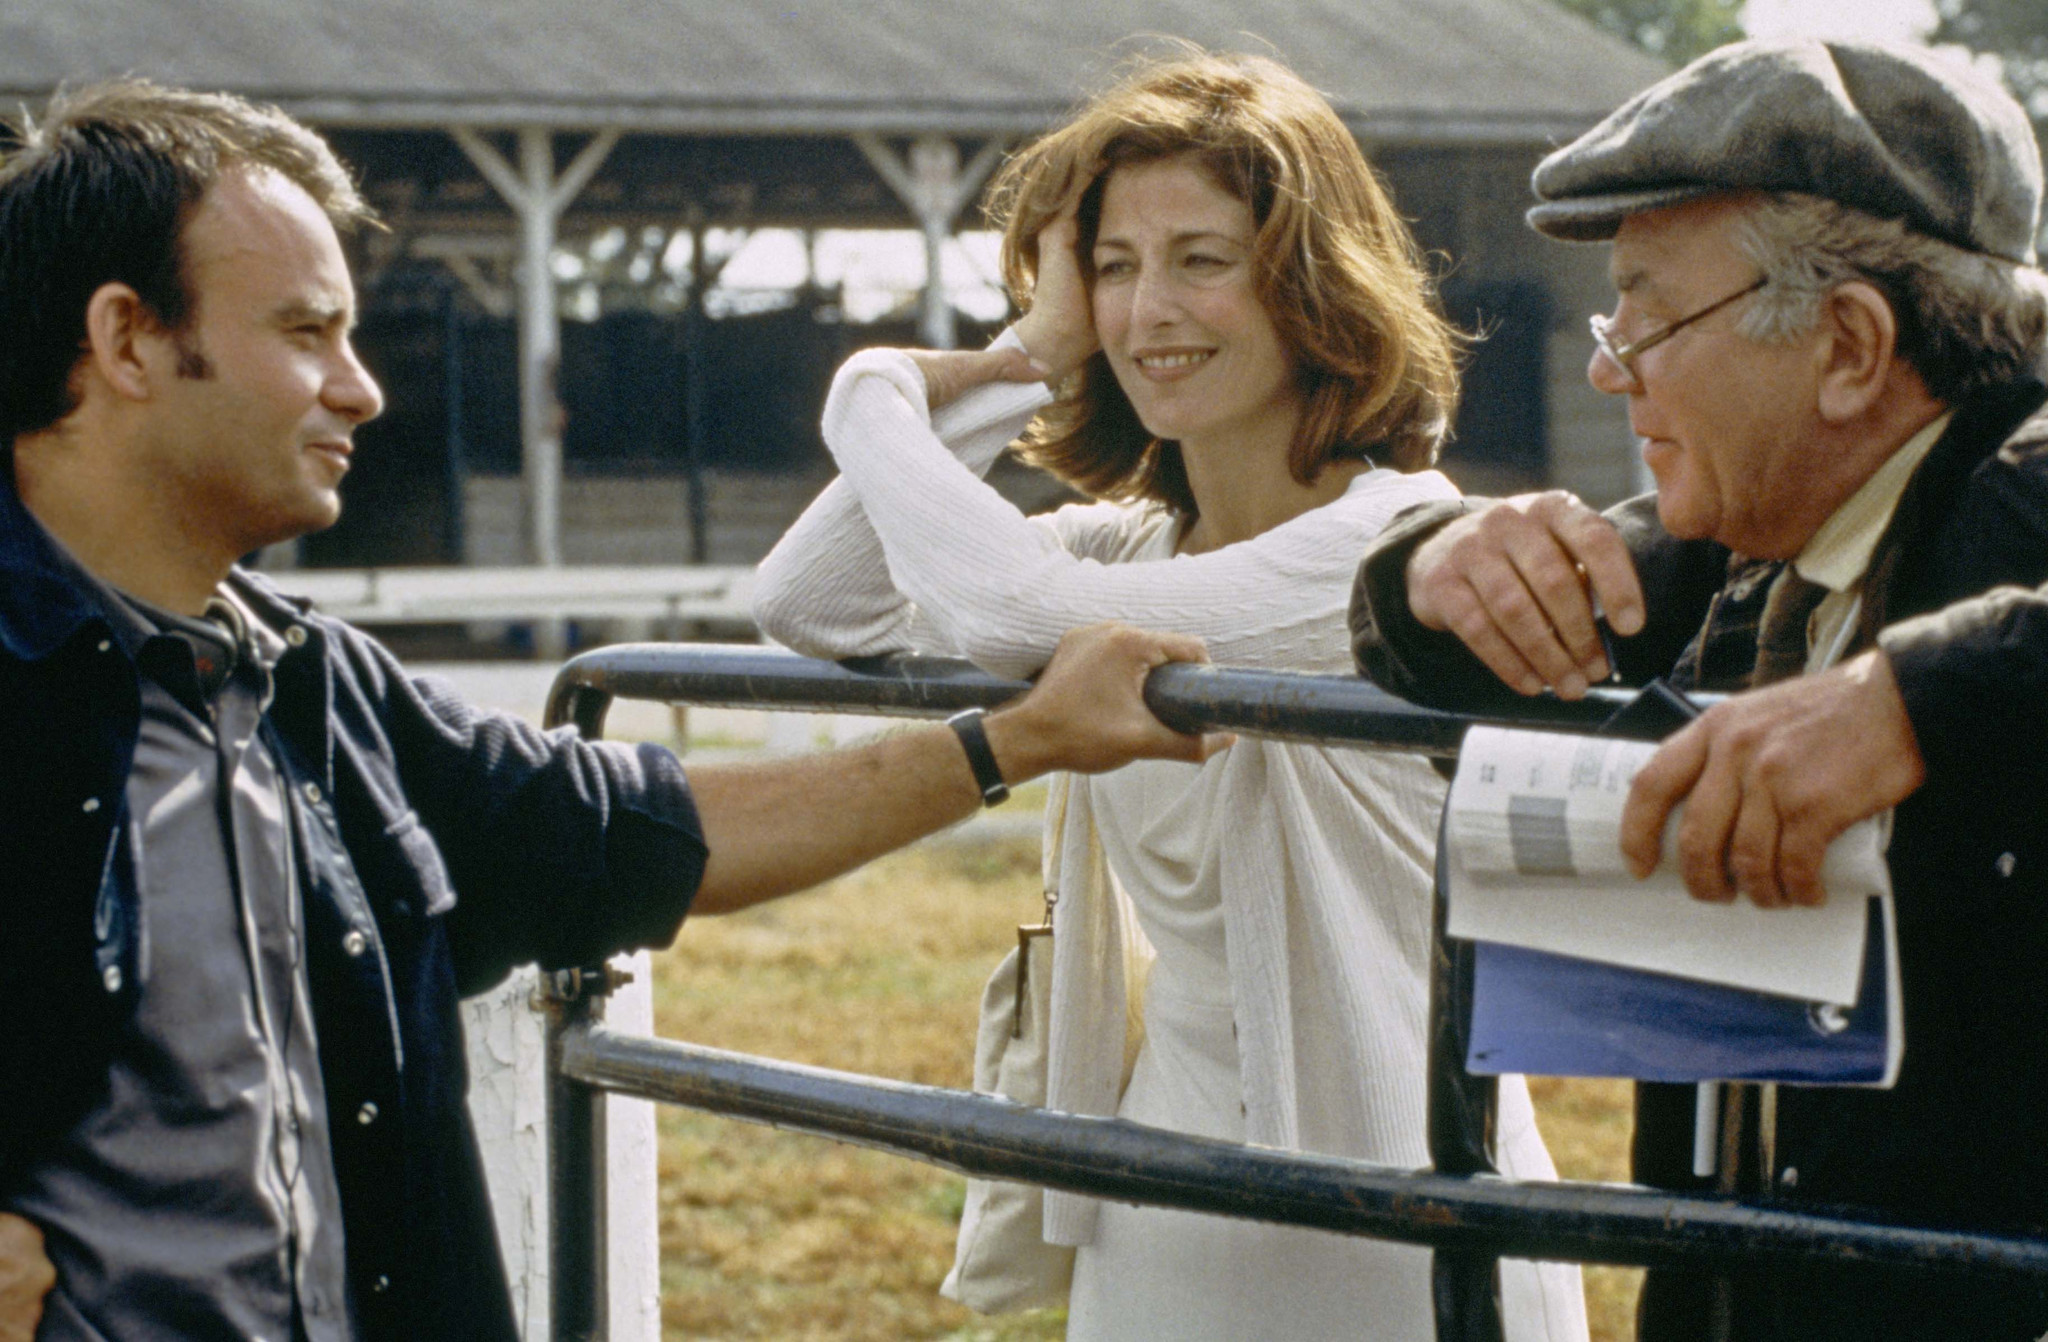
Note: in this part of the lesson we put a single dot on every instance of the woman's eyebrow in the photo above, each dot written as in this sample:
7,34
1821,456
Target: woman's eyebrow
1181,238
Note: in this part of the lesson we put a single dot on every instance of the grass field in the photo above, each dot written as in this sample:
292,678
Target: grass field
770,1235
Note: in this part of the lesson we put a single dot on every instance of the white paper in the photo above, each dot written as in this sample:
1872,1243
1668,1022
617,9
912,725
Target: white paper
1535,861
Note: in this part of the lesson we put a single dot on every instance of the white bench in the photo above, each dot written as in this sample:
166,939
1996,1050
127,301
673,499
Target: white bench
657,594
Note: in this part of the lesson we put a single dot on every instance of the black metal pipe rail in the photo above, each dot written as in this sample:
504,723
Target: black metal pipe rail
996,1138
1472,1218
1331,710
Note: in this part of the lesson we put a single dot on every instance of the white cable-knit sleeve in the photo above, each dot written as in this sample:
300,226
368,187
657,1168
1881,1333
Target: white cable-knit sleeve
1004,590
824,589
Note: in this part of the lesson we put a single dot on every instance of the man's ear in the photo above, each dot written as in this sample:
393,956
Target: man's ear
120,331
1859,353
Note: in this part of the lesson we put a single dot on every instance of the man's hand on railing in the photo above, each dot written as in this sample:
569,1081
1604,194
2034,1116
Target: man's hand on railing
779,827
1517,583
25,1278
1087,713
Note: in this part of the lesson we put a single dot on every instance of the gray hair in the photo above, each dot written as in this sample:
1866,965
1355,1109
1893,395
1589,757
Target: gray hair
1966,320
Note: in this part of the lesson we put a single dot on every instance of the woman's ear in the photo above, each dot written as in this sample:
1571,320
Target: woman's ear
1859,353
119,331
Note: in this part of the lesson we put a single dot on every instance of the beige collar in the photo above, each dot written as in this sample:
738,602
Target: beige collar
1840,551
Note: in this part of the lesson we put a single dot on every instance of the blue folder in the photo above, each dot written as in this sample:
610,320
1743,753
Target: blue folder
1555,1015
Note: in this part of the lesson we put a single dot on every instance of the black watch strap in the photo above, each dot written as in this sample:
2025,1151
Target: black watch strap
974,740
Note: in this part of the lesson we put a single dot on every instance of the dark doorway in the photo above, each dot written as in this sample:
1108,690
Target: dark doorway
1502,443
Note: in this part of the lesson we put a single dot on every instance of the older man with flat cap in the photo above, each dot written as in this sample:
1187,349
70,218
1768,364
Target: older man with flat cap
1830,333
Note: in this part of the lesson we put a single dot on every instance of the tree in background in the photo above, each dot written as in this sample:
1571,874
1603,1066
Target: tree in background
2016,31
1679,30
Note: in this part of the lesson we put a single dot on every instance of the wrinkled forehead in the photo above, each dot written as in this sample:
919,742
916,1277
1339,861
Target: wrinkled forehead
1170,198
1678,245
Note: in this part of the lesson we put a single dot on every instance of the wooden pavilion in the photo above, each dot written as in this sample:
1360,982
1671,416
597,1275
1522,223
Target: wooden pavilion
493,135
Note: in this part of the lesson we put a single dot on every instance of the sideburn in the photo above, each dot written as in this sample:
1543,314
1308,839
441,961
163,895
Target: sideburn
193,365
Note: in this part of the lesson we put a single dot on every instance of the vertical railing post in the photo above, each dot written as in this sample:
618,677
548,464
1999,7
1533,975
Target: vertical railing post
1461,1125
578,1287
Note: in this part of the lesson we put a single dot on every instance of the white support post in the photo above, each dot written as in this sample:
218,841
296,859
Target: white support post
936,188
506,1051
935,166
538,196
508,1105
540,350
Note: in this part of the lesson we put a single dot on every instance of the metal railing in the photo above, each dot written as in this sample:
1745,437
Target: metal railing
1469,1215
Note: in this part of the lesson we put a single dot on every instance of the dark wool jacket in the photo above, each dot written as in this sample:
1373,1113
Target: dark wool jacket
1956,597
459,843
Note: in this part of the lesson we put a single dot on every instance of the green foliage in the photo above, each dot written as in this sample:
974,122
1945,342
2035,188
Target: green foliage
1676,30
2014,30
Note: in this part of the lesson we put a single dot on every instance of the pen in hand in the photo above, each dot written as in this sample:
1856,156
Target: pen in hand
1606,641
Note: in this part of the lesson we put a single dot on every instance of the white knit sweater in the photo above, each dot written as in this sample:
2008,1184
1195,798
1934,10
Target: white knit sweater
909,530
1328,866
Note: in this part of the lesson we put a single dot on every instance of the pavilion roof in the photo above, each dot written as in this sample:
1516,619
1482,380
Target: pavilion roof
1419,71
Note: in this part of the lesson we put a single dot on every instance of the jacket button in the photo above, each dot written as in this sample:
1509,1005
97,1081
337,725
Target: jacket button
312,793
1789,1177
355,943
367,1114
106,645
111,976
2006,864
380,1285
296,636
91,804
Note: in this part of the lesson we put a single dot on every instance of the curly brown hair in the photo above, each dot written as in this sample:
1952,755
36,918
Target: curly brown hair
1335,268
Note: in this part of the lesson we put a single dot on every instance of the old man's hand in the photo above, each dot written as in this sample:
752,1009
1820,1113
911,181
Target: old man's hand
1771,777
1516,583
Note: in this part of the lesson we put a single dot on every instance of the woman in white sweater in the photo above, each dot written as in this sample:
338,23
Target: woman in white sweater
1254,379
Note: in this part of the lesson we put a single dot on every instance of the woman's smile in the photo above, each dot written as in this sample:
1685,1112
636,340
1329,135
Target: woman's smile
1165,366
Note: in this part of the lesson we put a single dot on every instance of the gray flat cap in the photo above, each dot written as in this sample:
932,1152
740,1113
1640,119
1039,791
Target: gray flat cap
1894,131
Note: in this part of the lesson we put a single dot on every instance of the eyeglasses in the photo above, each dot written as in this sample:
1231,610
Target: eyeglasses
1624,357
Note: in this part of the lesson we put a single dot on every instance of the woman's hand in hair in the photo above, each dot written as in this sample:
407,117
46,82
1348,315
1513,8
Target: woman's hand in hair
1059,330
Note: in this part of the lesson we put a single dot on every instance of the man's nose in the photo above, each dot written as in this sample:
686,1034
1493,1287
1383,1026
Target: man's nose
1607,375
351,391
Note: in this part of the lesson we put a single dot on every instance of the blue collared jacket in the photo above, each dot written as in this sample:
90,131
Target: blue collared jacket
439,846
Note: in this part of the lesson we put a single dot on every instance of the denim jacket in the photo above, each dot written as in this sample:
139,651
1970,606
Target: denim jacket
438,847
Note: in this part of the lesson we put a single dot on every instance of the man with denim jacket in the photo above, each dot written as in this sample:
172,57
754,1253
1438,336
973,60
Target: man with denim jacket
251,865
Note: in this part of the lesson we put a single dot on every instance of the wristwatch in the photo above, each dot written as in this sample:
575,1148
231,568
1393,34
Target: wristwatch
974,740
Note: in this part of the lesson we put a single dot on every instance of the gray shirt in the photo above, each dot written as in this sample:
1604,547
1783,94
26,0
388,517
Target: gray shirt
198,1199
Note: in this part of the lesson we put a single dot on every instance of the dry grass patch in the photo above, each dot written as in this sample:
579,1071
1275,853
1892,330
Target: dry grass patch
773,1235
1587,1126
